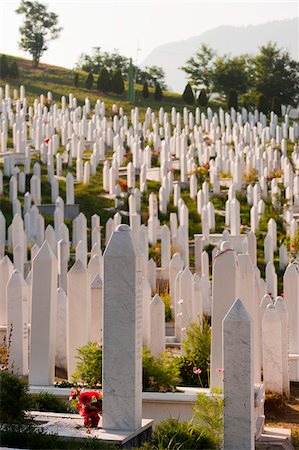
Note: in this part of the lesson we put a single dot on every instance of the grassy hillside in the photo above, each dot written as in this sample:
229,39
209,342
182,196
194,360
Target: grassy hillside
60,81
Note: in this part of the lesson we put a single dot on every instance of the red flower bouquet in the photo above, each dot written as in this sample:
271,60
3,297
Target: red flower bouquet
89,405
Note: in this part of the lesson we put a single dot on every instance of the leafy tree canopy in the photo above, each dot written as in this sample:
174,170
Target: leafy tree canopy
40,26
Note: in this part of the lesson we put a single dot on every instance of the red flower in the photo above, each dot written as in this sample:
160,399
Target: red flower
47,140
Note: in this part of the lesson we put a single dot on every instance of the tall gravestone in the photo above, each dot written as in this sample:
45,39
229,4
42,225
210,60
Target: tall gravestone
43,317
122,334
238,383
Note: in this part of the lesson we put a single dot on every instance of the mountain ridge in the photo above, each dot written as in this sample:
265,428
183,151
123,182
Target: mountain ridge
225,39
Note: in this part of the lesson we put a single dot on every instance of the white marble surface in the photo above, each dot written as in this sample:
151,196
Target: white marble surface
238,384
272,350
122,333
43,318
157,321
223,296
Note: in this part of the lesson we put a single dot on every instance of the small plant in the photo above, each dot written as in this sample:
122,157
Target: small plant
188,96
104,81
232,100
196,355
158,93
89,405
13,398
89,81
76,79
165,296
209,412
44,401
202,99
159,375
262,104
175,435
89,367
145,90
117,82
276,106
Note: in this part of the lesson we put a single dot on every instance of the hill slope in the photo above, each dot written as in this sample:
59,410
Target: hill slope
60,81
224,39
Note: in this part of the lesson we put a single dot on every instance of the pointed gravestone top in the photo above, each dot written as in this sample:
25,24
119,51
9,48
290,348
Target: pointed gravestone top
237,313
225,245
97,282
120,243
45,253
157,300
77,267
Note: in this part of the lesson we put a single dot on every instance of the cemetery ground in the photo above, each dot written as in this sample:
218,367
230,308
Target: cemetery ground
119,201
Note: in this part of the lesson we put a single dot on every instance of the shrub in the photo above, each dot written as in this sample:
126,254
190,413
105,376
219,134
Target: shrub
232,100
159,374
76,79
89,81
89,367
188,95
172,434
196,354
145,91
4,68
209,412
262,104
158,93
165,296
104,81
117,82
276,106
202,99
30,436
13,70
13,398
44,401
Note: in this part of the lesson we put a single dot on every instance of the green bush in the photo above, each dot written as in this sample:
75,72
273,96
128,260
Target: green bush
202,99
117,82
13,398
104,80
4,68
44,401
276,106
89,81
172,434
32,437
158,93
145,91
262,104
232,100
165,296
159,375
13,70
209,412
76,79
89,367
196,354
188,96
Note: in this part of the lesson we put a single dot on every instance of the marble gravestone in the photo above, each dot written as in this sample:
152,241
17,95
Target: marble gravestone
122,333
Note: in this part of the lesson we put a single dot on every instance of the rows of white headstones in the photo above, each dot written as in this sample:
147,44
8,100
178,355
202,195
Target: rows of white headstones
235,143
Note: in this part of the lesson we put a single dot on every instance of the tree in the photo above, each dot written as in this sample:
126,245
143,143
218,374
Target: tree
117,82
188,95
76,79
13,70
89,81
104,81
275,74
202,99
158,93
145,91
232,100
262,104
276,106
156,75
199,68
4,68
40,26
231,73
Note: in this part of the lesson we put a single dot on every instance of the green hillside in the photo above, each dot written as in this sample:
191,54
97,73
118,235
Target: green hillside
60,81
